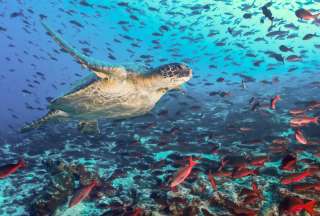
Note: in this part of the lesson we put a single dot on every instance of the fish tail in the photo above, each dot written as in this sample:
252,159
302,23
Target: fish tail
271,26
192,162
21,163
309,206
316,120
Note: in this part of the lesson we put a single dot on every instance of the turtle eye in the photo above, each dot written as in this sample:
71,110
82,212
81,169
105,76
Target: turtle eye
163,90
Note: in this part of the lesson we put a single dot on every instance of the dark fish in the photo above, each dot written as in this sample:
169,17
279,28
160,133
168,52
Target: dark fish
291,26
76,23
268,14
309,36
294,58
85,3
220,79
112,57
277,57
16,14
153,9
278,33
26,91
164,28
123,4
257,63
284,48
42,16
2,28
255,106
247,15
133,17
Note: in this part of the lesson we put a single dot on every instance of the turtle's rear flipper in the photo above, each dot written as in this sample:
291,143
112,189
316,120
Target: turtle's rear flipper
89,127
100,68
54,114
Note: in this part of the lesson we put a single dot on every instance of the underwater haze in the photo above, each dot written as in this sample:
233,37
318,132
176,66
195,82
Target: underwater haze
169,107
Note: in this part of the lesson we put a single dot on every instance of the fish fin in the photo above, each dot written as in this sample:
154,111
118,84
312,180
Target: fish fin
22,163
101,69
271,26
89,127
192,162
38,123
309,206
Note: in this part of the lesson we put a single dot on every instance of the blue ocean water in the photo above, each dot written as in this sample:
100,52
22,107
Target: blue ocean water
242,55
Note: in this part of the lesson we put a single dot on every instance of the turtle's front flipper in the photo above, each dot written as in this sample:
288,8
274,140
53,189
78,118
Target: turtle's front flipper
101,69
89,127
54,114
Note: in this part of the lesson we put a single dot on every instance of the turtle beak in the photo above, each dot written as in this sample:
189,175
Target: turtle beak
185,71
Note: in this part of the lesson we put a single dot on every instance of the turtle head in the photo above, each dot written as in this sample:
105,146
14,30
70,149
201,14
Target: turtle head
173,75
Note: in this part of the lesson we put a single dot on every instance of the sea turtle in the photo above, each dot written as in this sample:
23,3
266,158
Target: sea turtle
114,92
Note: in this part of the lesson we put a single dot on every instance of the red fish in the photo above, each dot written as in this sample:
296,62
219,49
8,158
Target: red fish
251,196
257,190
259,161
137,212
280,141
223,173
212,181
242,172
307,186
274,101
296,177
300,138
296,111
82,193
250,200
235,208
183,173
11,168
306,14
294,205
302,121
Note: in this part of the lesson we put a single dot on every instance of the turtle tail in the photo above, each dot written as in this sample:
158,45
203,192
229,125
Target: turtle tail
41,121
